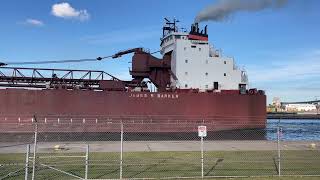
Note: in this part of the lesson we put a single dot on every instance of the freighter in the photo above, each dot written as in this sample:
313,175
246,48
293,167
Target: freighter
192,84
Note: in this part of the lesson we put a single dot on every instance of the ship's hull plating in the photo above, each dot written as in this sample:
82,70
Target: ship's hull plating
103,111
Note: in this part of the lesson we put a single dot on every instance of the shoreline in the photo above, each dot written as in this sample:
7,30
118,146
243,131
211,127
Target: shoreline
292,116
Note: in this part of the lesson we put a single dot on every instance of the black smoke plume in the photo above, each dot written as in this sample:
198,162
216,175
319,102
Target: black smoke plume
223,9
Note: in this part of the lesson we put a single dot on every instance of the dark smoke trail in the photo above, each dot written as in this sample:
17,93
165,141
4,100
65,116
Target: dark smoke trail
223,9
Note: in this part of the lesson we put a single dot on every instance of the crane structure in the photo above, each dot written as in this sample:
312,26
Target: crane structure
52,78
144,65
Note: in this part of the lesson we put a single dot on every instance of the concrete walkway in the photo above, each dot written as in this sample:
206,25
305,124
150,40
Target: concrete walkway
148,146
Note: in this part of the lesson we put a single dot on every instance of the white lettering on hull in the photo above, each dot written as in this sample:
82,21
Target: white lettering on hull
158,95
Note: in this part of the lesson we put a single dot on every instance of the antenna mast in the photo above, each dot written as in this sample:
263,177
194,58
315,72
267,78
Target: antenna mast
170,26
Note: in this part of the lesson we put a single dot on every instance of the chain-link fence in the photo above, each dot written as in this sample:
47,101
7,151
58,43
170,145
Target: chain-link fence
55,147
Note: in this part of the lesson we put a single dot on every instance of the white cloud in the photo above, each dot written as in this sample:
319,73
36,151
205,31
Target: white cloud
33,22
65,10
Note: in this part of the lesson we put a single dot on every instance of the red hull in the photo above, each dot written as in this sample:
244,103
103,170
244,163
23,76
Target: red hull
103,111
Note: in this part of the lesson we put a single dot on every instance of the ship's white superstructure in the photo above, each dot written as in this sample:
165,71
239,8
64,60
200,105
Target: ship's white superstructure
197,65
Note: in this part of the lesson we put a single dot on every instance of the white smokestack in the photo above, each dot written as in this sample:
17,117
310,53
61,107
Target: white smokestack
223,9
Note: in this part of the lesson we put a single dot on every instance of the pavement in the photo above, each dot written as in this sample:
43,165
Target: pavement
149,146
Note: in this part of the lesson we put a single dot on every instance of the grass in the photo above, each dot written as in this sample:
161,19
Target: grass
170,164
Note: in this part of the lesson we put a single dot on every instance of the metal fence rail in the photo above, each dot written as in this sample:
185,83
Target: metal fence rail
126,154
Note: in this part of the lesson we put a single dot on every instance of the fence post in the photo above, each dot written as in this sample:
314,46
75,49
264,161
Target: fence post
121,150
202,157
279,150
202,132
27,162
87,162
34,148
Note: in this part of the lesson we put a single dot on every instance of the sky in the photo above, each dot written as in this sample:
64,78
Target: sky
279,48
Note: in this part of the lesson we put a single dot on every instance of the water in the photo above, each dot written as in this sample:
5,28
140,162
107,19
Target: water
294,129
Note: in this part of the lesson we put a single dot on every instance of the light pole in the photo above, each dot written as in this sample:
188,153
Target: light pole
317,104
317,107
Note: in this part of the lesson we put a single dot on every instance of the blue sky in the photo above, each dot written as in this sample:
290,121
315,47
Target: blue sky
280,49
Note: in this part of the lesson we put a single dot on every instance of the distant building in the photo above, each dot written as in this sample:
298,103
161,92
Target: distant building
276,102
300,107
